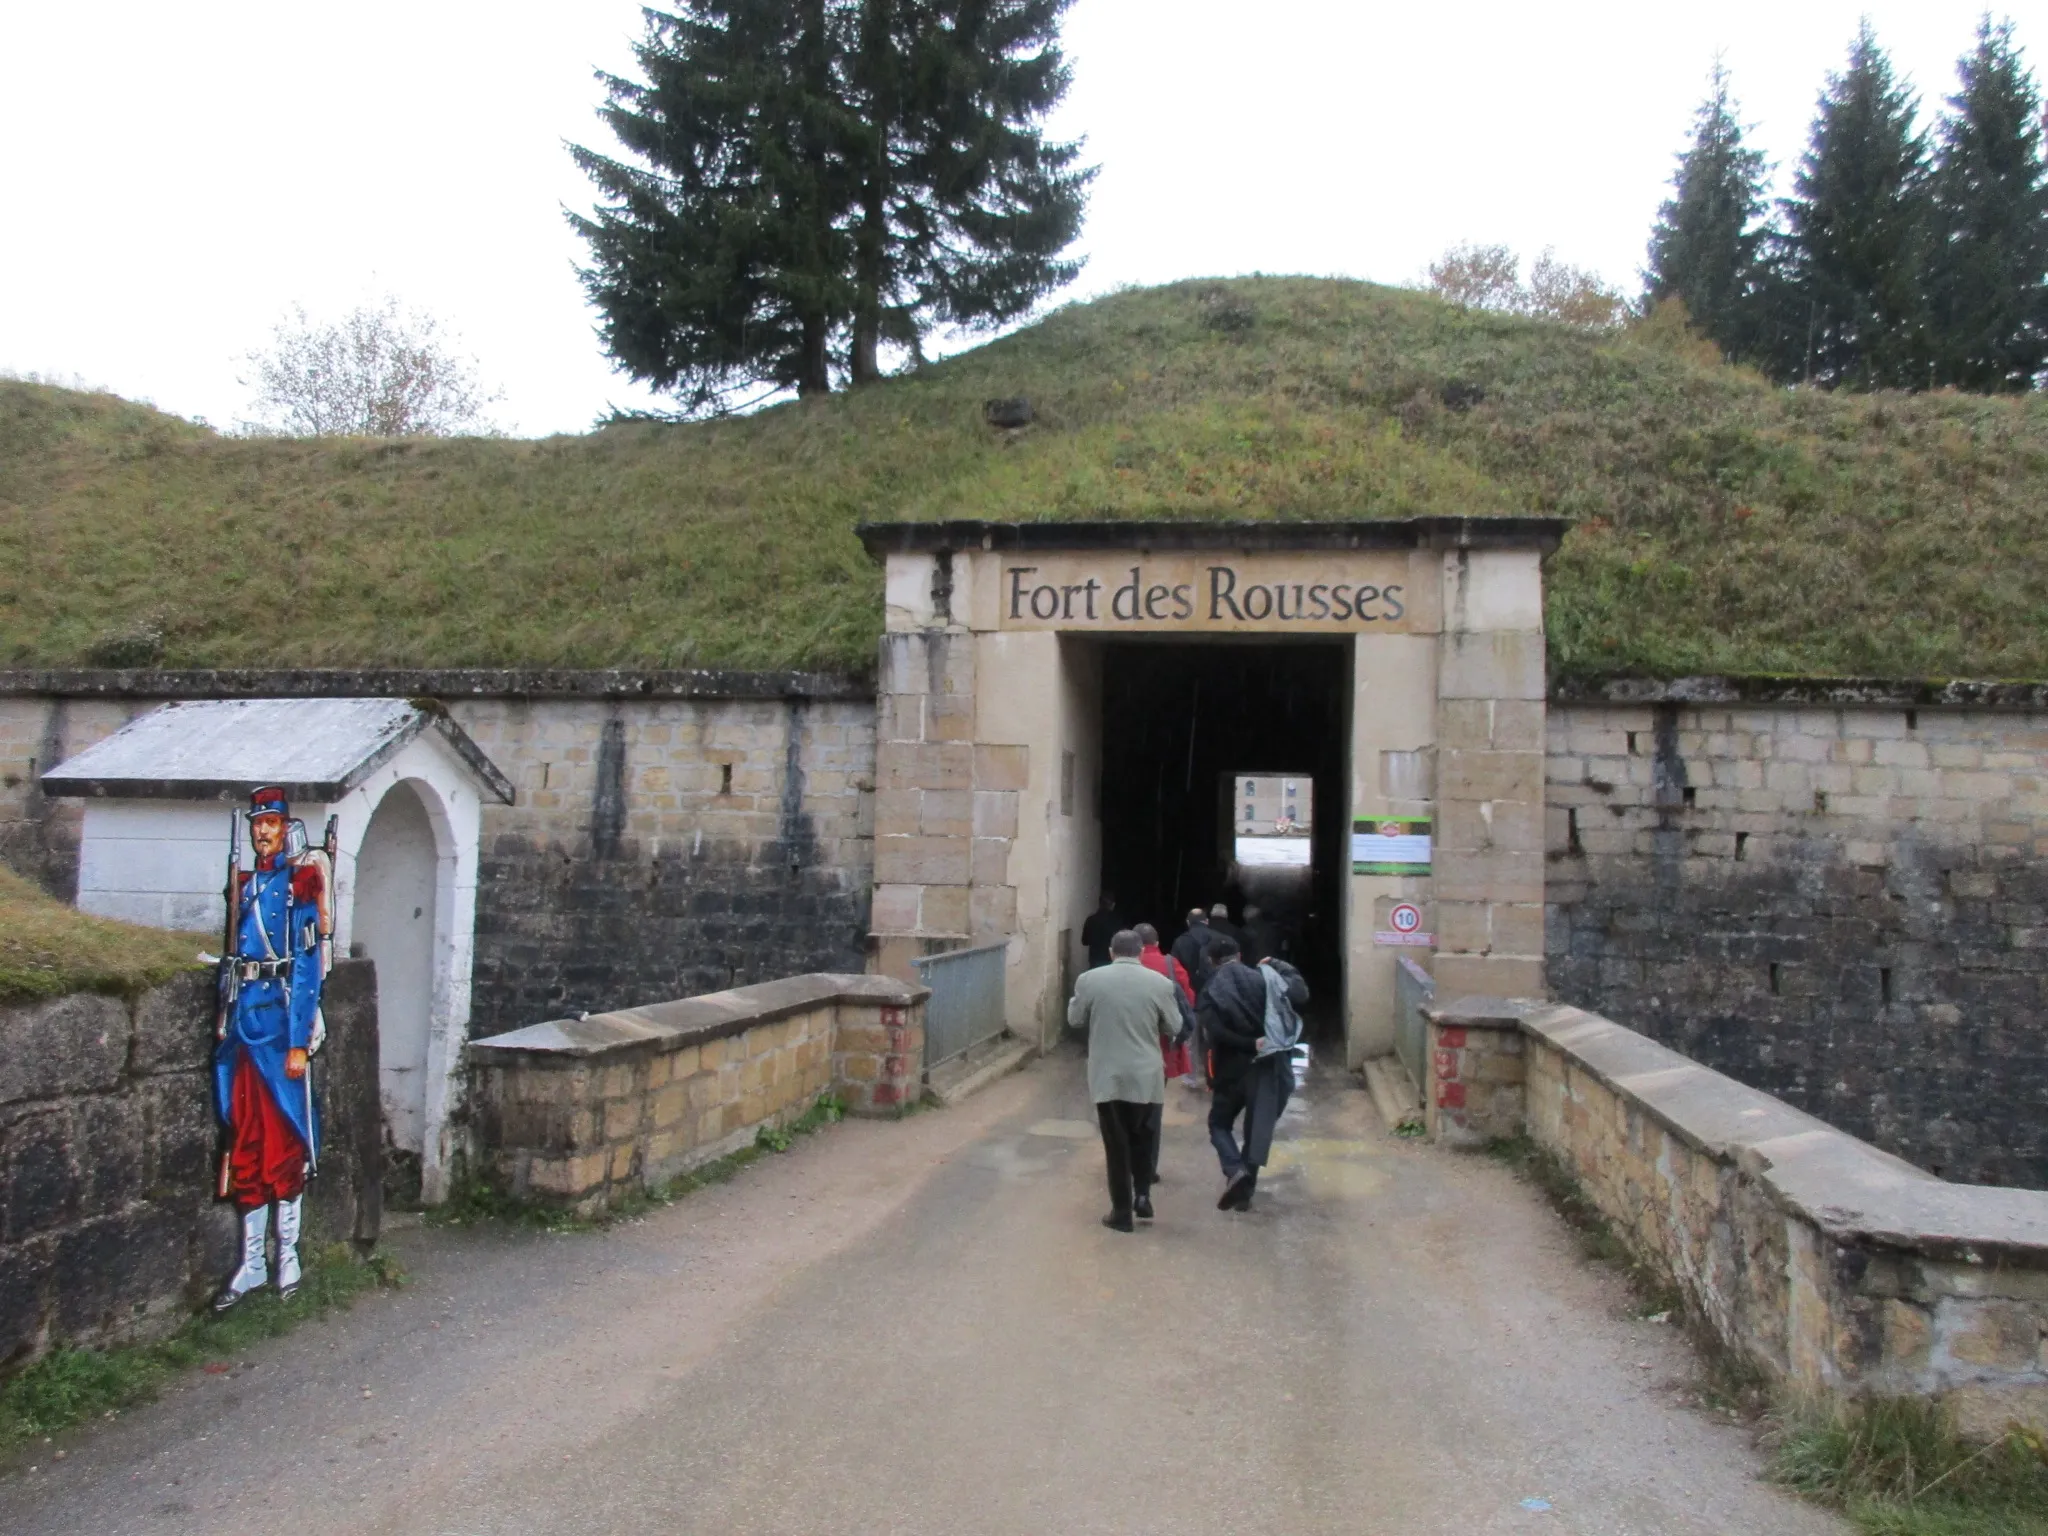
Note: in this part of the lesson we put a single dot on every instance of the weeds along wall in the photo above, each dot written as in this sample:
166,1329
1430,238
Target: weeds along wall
671,834
1842,904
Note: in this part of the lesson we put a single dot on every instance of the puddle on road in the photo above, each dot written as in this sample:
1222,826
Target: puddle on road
1067,1130
1329,1168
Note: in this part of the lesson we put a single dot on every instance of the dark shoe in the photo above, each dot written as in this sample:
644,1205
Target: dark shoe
1117,1223
1240,1185
1242,1200
1143,1208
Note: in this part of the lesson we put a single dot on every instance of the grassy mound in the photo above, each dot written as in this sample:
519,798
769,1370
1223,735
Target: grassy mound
1720,523
48,948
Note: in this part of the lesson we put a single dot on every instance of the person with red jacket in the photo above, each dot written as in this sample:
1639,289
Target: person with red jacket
1174,1053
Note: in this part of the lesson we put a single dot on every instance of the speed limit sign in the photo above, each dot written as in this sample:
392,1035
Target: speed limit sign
1404,927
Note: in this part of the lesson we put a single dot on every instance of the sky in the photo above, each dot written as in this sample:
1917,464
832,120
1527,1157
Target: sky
177,177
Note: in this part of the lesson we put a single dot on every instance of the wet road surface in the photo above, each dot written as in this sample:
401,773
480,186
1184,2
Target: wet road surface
921,1327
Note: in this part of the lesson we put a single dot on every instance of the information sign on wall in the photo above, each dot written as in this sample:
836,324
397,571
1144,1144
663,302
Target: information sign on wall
1390,845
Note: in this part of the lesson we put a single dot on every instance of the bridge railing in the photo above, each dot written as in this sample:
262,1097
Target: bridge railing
967,1005
1414,991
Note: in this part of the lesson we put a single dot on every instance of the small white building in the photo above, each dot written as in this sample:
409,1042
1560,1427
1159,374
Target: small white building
405,787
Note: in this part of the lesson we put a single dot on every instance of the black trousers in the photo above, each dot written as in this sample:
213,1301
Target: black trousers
1259,1093
1130,1147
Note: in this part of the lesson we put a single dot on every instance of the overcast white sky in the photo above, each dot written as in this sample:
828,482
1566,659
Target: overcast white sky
176,175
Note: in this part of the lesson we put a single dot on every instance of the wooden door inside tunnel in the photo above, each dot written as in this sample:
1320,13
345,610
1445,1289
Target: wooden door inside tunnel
1182,724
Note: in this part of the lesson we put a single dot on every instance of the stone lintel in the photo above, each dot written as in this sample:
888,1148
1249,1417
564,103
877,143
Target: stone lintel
429,682
1805,692
1538,533
1482,1012
672,1026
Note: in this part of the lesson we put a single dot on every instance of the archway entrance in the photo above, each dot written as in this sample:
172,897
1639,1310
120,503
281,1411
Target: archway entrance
395,925
1182,723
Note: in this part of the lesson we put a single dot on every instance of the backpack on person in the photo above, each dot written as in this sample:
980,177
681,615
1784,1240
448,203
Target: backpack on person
1283,1023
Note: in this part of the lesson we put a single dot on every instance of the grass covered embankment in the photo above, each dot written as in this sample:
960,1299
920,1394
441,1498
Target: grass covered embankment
1720,523
49,948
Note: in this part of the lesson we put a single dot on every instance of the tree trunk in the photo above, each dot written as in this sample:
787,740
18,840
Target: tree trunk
867,313
872,241
816,375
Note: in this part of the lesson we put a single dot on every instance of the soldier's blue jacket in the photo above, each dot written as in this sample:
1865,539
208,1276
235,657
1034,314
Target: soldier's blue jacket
279,919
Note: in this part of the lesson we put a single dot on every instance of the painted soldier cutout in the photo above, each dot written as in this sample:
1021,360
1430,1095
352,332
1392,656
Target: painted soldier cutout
280,931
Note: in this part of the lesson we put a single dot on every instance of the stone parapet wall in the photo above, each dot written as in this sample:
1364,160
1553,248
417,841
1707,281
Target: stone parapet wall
1477,1069
1831,1265
582,1112
1845,905
109,1230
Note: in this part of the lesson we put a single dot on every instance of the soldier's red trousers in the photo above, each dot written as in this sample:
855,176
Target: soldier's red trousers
266,1159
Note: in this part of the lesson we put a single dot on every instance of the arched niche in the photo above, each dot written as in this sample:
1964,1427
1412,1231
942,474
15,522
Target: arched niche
404,872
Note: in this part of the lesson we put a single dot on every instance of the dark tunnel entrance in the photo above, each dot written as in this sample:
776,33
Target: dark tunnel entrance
1181,723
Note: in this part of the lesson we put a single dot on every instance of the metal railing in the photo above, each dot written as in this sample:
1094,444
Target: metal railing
1414,990
966,1006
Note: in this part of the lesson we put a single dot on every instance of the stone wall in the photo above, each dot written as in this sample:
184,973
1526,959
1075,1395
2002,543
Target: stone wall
1833,1266
580,1112
1843,904
671,834
666,848
109,1230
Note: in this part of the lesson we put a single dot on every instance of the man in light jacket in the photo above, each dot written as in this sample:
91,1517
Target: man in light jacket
1127,1011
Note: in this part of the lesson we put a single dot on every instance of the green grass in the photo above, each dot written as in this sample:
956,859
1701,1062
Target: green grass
48,948
1896,1467
1719,523
474,1200
70,1386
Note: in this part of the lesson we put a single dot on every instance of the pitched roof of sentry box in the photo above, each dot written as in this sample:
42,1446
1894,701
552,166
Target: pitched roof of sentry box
220,749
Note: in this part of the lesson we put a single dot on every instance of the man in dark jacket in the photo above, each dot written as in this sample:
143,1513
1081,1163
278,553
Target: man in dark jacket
1191,949
1101,926
1220,925
1247,1076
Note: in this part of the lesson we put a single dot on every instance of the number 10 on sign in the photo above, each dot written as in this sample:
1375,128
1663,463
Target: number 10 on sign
1404,927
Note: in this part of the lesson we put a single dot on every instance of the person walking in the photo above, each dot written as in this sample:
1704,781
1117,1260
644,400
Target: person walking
1127,1012
1191,949
1250,1021
1100,927
1220,925
1176,1059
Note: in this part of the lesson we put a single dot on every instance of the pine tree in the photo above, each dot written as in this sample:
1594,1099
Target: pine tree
1988,269
718,261
1707,248
1856,231
965,206
813,179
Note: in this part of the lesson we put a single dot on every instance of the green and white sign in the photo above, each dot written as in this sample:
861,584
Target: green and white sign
1390,845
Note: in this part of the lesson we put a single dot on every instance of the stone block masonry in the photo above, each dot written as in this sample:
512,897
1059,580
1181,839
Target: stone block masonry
666,848
1830,1265
582,1112
109,1231
1845,905
1476,1070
